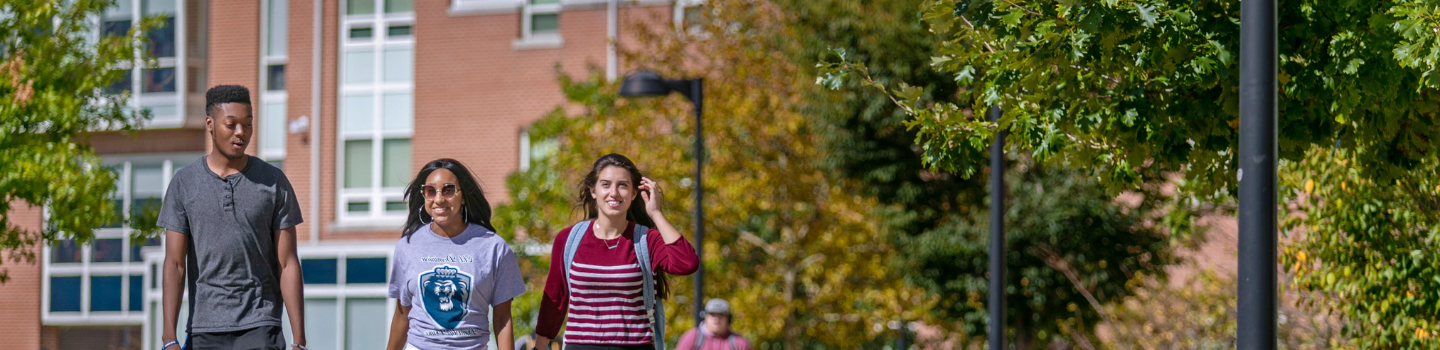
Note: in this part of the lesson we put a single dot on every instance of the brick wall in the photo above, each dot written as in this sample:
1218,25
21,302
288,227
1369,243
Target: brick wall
20,296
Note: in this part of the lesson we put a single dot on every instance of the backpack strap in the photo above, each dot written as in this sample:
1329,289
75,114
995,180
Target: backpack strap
572,243
653,307
700,337
732,341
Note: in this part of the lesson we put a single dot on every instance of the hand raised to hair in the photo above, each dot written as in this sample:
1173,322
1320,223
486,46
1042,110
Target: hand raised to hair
650,192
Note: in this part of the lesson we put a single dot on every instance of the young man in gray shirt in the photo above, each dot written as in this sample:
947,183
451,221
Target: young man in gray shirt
230,233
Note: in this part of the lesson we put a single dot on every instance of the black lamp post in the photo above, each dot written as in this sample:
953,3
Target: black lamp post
1258,61
646,83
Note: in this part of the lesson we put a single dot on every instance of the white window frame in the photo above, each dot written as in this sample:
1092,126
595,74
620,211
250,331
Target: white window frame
126,268
529,40
689,28
376,194
267,96
340,291
181,98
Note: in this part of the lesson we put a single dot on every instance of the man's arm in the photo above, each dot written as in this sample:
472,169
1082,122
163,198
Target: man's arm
173,282
399,328
292,282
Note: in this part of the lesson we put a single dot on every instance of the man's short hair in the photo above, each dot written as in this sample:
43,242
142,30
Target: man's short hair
226,94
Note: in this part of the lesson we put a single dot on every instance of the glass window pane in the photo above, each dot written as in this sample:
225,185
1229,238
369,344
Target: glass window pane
543,2
123,85
359,7
107,250
397,163
399,111
64,294
137,293
357,207
321,323
399,64
156,7
359,66
546,23
275,77
361,329
397,6
318,271
358,163
117,27
121,9
359,113
65,252
118,206
277,23
158,80
399,31
272,133
162,39
397,206
361,33
147,180
164,110
135,255
105,293
365,270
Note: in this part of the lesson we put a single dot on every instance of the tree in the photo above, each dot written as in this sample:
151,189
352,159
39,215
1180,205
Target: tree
52,73
1365,247
940,220
787,242
1138,89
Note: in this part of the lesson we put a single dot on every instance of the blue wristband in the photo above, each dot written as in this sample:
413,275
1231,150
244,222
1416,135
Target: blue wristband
302,347
173,342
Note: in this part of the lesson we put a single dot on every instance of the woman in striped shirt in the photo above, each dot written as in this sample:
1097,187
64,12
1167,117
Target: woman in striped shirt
600,299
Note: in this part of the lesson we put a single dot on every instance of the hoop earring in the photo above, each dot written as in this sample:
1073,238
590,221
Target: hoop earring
465,214
421,215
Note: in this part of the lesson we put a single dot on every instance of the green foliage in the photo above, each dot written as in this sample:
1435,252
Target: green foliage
1135,89
939,220
1367,248
52,71
1065,237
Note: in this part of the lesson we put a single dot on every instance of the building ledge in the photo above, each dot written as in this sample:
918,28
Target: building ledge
538,42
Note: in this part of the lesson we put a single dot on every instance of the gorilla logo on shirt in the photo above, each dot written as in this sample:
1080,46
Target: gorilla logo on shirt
445,292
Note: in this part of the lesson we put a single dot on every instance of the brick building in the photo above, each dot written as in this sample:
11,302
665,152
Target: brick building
401,82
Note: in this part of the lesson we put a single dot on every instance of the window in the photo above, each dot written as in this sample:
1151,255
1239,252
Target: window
345,297
539,25
273,56
376,109
689,16
160,88
534,151
103,281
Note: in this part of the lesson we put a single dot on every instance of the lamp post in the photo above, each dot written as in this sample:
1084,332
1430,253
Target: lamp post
997,235
645,83
1258,60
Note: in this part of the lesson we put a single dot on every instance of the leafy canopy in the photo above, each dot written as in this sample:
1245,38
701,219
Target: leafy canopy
1137,88
52,72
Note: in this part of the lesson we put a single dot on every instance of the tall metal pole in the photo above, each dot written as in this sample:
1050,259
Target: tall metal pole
997,236
1255,327
697,90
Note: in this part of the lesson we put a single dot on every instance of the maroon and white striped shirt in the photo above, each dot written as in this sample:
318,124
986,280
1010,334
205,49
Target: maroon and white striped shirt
605,300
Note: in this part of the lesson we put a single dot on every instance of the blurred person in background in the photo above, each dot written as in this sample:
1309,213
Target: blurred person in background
715,333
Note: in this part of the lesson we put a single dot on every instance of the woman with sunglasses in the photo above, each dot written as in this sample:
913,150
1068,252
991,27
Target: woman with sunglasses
601,297
450,268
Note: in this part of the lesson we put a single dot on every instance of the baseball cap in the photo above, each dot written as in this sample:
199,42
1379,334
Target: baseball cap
717,306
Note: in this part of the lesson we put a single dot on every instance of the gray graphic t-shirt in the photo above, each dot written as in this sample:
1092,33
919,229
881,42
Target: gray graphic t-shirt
451,283
232,269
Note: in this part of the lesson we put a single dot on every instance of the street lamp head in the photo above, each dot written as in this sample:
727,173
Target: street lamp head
644,83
